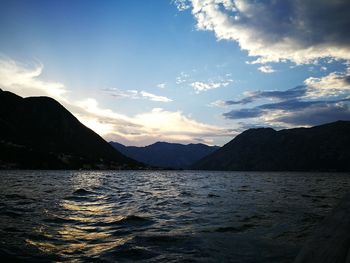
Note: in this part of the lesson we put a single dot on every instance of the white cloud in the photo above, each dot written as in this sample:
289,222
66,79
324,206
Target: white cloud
25,80
140,129
200,86
266,69
153,97
148,127
334,84
175,125
135,94
182,78
90,105
300,31
219,104
161,85
181,5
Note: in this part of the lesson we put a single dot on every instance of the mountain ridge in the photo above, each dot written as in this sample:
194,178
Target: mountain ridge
165,154
320,148
40,133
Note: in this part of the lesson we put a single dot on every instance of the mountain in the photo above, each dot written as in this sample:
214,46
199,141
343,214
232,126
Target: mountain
166,155
320,148
39,133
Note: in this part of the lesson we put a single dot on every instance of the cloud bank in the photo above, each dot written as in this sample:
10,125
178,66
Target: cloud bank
318,101
300,31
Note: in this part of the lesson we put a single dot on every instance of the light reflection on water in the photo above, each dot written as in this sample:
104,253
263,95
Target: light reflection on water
161,216
83,208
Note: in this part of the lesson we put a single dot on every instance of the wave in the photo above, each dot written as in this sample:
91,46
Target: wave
128,221
83,192
241,228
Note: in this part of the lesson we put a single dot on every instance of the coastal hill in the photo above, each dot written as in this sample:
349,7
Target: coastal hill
39,133
167,155
320,148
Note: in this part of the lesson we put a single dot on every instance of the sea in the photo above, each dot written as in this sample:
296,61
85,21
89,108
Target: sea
162,216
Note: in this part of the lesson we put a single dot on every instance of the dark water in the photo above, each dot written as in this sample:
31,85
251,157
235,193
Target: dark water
161,216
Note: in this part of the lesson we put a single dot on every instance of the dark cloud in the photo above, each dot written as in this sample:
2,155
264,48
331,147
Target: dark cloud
296,92
296,30
244,113
293,93
317,114
291,105
347,79
296,112
322,21
245,100
319,100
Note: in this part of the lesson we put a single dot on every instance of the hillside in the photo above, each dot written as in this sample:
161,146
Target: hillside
320,148
39,133
167,155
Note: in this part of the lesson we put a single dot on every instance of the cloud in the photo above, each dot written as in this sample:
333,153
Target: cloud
161,85
219,104
200,86
148,127
135,94
334,84
300,31
175,125
316,114
181,5
243,113
182,78
319,100
266,69
252,96
295,112
139,129
24,79
153,97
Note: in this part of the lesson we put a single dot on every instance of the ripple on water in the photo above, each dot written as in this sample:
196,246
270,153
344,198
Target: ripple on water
238,229
161,216
128,252
60,220
83,192
128,221
11,214
210,195
15,196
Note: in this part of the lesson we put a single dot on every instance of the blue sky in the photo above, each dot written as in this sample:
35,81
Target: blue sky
182,71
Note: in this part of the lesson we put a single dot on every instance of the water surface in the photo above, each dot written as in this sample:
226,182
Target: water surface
156,216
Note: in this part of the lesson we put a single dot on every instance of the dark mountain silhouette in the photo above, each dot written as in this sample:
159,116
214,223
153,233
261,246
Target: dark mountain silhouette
166,155
39,133
321,148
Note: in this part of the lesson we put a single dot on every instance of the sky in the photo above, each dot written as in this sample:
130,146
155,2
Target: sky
186,71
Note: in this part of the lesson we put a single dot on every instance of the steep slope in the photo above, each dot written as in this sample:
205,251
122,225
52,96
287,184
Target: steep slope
38,132
321,148
166,155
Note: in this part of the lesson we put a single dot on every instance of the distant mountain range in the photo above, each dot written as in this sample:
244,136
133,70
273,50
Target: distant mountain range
167,155
39,133
321,148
